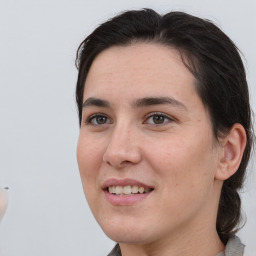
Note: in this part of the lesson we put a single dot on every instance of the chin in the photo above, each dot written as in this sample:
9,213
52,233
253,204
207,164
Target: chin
123,237
123,233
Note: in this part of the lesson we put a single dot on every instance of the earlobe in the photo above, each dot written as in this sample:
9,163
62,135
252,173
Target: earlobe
231,153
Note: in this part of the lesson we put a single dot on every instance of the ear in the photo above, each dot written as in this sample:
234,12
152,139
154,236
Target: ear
231,152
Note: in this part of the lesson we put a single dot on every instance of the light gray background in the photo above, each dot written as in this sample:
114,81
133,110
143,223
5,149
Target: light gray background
47,212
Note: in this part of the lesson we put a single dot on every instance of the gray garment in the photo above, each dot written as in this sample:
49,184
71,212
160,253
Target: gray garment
116,251
234,247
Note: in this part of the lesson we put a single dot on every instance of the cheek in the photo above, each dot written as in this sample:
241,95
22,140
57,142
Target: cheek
89,158
185,172
89,164
89,151
184,162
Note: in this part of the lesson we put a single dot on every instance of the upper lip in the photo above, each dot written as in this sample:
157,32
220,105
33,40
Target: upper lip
124,182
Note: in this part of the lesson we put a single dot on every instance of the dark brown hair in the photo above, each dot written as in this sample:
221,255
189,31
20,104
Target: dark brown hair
214,61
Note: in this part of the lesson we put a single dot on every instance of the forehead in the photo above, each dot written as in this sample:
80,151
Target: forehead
139,68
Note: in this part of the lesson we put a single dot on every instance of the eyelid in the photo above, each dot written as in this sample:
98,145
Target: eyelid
89,119
170,118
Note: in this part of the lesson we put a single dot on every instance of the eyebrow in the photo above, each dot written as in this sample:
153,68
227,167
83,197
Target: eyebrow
95,102
142,102
149,101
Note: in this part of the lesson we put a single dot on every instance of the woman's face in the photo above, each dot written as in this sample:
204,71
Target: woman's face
146,152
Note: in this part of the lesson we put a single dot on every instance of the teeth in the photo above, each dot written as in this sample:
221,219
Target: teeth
127,190
141,190
113,190
135,189
119,190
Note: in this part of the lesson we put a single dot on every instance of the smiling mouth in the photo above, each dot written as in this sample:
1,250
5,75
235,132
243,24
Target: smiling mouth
128,190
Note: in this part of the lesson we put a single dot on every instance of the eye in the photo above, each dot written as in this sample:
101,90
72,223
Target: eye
158,119
98,119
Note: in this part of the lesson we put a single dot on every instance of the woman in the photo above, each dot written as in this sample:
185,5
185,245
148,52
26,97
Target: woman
165,134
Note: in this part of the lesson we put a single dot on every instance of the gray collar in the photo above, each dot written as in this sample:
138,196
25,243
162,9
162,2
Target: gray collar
234,247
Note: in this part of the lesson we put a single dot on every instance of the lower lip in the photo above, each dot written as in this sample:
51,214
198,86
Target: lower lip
125,200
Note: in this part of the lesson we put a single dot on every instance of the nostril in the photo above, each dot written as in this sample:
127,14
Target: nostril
125,162
108,163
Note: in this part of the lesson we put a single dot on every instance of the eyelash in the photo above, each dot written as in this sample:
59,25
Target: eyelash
90,119
94,116
159,114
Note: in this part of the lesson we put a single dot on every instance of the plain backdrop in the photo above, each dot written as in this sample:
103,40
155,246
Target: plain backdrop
47,212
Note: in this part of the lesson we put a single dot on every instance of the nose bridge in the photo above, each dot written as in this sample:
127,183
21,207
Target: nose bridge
121,133
122,146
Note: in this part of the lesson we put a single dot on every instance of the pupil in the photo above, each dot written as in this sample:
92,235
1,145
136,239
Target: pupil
158,119
101,119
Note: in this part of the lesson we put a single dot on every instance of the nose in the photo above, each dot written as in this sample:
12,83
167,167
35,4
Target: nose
123,148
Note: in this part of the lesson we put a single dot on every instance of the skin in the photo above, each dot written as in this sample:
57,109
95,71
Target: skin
179,157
